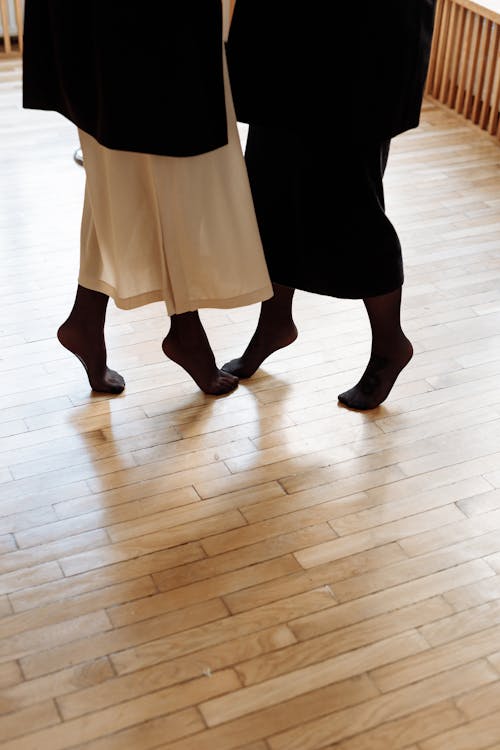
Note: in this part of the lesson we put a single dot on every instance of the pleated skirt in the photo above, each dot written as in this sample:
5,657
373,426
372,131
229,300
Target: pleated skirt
319,201
181,230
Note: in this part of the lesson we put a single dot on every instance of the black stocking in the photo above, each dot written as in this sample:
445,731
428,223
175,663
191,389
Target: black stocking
274,331
390,353
187,345
83,335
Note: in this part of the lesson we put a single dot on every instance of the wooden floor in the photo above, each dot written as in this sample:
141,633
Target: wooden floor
266,571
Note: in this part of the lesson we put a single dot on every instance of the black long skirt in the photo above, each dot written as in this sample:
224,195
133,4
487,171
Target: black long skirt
321,214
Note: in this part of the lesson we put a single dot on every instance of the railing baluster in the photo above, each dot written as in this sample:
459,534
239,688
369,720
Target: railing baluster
442,31
490,70
460,100
19,23
431,76
482,59
494,118
456,56
450,37
4,13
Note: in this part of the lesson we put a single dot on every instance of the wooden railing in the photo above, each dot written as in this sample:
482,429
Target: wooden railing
11,17
464,70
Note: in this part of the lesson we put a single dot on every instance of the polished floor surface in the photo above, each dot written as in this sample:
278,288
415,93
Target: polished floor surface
268,570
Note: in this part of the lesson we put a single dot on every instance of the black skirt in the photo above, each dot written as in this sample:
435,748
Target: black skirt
321,213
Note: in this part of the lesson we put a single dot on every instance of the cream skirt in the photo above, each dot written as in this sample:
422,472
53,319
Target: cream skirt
182,230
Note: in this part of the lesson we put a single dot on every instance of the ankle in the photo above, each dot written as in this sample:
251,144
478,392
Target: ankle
275,319
388,348
82,323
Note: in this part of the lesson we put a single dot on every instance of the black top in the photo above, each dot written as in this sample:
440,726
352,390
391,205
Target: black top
146,79
360,68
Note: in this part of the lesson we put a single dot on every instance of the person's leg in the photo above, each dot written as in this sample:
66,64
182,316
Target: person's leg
391,351
187,344
274,331
83,335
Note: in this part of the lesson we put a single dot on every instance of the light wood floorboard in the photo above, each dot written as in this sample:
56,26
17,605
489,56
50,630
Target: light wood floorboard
268,570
